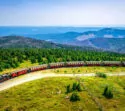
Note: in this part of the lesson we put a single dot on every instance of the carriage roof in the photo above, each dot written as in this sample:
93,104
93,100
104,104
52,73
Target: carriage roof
112,62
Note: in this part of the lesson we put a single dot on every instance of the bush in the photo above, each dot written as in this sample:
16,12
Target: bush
68,89
65,71
79,87
108,93
74,97
76,87
57,71
100,74
78,70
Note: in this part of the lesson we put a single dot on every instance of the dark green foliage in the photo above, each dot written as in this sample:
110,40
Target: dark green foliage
33,60
100,74
40,60
79,87
74,87
68,89
13,57
78,70
105,90
1,69
74,97
65,71
108,93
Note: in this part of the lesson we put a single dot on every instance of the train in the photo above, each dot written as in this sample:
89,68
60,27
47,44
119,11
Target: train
5,77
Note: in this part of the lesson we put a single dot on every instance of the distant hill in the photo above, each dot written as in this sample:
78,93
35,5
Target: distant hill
107,39
57,37
103,33
110,44
25,42
110,39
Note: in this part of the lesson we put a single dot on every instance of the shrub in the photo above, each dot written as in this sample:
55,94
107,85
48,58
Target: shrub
57,71
74,97
78,70
65,71
79,87
68,89
108,93
74,87
100,74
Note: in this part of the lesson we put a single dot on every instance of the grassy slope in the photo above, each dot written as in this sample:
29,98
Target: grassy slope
41,95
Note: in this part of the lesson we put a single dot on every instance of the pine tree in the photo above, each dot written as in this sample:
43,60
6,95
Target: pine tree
108,93
79,87
68,89
74,97
74,87
105,90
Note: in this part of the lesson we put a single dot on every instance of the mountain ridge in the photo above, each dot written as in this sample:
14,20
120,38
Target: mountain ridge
26,42
109,39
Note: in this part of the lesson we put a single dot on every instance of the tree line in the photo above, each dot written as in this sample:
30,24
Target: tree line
11,58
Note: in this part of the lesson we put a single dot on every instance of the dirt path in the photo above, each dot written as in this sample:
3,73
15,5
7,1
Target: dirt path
38,75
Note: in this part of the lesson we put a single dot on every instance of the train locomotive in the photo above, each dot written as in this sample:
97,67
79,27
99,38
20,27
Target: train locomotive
14,74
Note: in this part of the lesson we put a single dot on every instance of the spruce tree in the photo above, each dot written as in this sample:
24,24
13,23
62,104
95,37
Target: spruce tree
68,89
105,90
108,93
74,97
79,87
74,87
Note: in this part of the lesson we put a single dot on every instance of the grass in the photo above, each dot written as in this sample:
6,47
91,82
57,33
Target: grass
43,95
100,74
85,69
25,64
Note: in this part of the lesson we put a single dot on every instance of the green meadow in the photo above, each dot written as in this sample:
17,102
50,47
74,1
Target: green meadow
49,94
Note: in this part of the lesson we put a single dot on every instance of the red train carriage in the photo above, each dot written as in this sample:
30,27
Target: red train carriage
75,64
19,72
38,68
112,63
56,65
93,63
22,72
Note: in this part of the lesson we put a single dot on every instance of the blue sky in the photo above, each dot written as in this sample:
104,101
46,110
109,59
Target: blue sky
62,12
